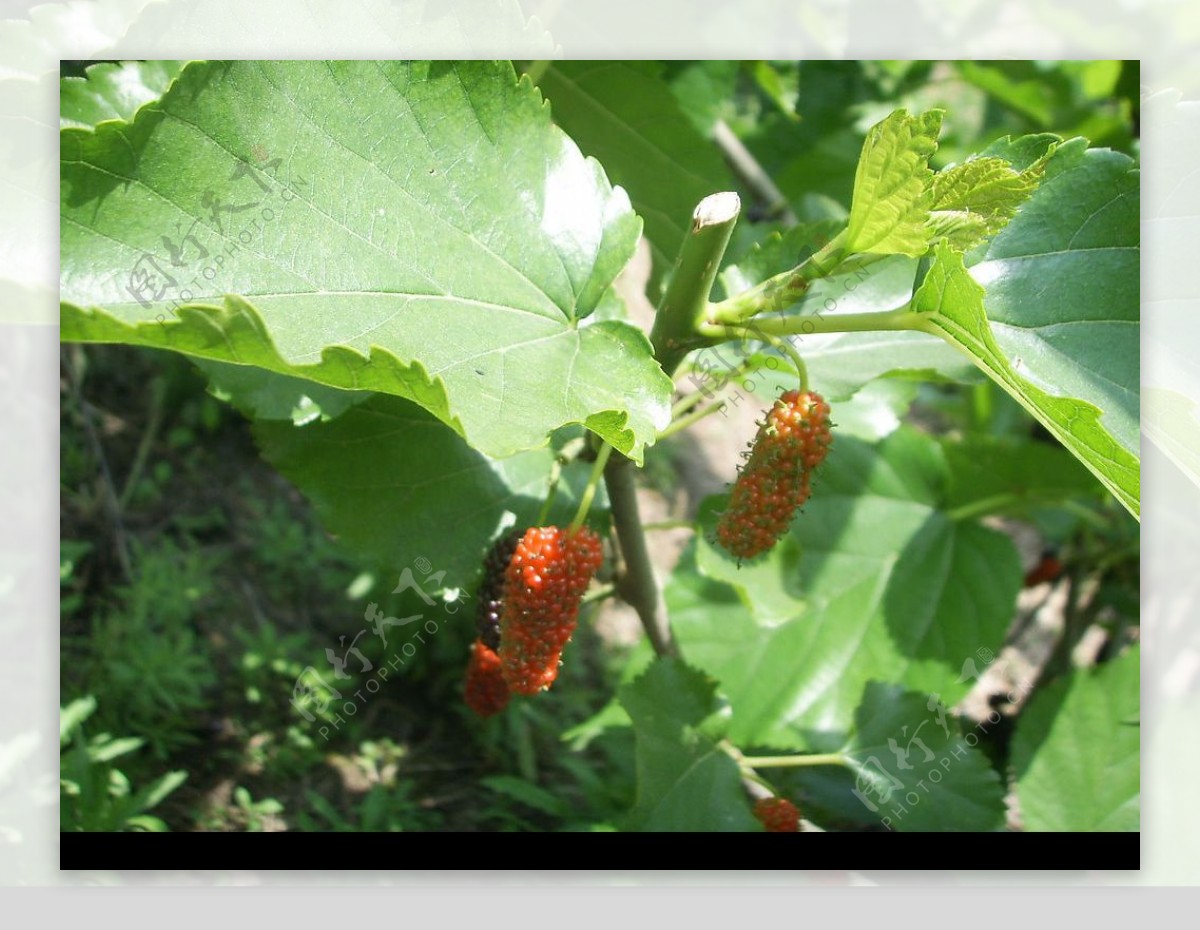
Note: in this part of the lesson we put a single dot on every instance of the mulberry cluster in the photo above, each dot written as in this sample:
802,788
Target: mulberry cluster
529,597
544,583
774,483
778,815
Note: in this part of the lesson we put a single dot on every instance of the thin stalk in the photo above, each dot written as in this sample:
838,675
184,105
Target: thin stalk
786,347
585,502
687,403
599,594
684,422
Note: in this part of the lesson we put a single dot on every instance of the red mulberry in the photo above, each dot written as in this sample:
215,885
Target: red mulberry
774,483
778,815
544,584
486,692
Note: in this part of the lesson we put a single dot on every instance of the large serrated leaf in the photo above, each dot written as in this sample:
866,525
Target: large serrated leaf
952,303
892,192
685,781
873,581
624,114
1076,751
1062,292
418,229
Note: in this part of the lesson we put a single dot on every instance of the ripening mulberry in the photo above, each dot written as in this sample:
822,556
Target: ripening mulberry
774,483
491,589
486,692
778,815
545,580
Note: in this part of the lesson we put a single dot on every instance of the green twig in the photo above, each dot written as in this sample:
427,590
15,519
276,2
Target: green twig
901,318
585,502
779,292
685,304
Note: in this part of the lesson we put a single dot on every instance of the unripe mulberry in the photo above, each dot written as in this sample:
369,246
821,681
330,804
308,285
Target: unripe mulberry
486,692
544,584
778,815
774,483
491,589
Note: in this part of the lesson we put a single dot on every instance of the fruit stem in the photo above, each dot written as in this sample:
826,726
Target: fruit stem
787,348
569,452
685,304
685,421
585,502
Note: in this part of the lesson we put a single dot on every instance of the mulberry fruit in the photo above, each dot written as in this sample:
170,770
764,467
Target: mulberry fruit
774,483
486,692
491,589
544,583
778,815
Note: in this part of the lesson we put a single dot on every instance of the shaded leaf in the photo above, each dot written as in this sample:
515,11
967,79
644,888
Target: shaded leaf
910,767
395,484
684,780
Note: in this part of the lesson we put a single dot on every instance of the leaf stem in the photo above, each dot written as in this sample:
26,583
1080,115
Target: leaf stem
779,292
902,318
685,421
585,502
685,304
776,762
